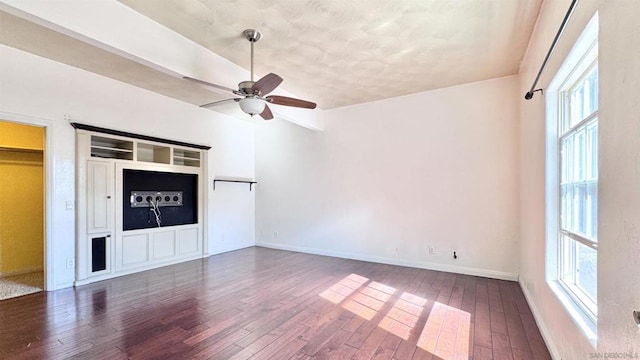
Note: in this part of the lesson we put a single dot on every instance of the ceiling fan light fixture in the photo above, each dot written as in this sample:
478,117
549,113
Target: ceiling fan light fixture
252,106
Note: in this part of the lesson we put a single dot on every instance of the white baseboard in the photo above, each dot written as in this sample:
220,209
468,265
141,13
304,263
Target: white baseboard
395,261
62,286
233,247
548,340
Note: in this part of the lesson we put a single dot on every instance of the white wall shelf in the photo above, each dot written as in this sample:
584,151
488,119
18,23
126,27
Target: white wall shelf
250,182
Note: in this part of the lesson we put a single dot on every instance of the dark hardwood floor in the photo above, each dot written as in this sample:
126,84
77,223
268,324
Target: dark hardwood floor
260,303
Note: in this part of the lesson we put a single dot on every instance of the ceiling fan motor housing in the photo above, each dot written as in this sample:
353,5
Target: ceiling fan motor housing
247,88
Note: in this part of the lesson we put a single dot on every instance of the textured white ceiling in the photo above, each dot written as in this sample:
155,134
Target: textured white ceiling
333,52
339,53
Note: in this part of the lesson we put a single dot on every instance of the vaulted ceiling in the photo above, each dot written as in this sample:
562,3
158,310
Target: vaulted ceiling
334,52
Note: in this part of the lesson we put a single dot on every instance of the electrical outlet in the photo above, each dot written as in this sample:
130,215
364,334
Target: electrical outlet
275,234
455,255
431,250
70,263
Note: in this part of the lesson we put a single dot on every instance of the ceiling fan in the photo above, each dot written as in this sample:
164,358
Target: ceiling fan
253,97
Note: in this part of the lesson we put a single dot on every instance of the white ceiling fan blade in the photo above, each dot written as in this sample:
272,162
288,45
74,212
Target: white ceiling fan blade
219,102
210,86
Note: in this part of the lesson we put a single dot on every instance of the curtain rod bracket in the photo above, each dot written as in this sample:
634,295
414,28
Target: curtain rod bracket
529,94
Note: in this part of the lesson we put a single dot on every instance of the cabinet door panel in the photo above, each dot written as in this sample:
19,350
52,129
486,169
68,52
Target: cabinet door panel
98,197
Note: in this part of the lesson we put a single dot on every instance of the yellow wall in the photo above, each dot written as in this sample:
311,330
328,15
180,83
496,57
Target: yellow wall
18,136
21,199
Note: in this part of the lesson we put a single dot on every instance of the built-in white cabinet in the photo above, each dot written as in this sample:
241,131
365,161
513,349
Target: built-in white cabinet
104,248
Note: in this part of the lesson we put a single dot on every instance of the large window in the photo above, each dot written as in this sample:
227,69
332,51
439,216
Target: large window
572,181
578,186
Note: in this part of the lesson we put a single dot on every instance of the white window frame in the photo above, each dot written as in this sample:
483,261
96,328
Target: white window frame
579,295
575,67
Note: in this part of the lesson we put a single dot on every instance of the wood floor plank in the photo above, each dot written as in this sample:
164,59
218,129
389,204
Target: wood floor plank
212,346
368,348
482,317
387,348
317,336
260,303
335,349
280,343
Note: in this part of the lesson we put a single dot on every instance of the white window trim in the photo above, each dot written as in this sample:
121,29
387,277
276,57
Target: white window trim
567,73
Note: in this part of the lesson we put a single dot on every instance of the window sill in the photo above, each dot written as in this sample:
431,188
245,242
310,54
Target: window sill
586,324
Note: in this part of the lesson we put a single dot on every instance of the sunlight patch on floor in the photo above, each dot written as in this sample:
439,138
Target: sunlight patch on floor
342,289
368,301
404,315
446,333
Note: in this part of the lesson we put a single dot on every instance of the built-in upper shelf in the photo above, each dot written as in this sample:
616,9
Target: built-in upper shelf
185,157
117,148
110,148
120,145
153,153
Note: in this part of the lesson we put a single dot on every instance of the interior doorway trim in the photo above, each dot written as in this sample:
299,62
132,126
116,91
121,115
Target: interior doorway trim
49,268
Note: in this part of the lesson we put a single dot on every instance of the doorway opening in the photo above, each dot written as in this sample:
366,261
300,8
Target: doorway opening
22,209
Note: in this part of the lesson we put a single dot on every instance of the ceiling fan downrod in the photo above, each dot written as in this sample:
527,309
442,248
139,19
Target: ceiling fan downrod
253,36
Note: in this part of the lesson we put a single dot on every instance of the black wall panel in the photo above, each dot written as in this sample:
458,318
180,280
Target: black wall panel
141,180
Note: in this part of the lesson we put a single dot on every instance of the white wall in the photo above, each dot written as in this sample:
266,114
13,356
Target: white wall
619,170
619,193
388,179
34,89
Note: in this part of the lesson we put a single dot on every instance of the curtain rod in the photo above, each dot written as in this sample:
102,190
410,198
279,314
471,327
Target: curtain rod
529,94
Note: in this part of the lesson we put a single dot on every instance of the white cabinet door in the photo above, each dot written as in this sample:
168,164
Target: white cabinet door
99,196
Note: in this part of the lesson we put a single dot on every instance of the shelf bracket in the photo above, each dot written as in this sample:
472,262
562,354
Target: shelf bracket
235,181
